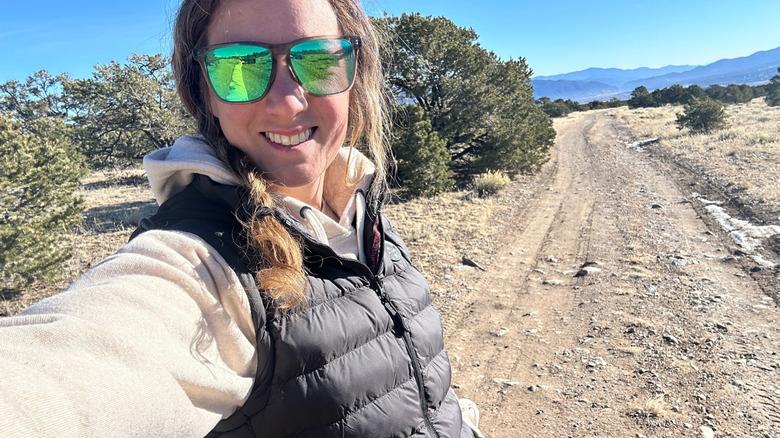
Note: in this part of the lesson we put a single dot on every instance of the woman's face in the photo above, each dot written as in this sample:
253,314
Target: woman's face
289,135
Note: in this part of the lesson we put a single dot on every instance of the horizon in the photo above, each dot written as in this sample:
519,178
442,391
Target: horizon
560,37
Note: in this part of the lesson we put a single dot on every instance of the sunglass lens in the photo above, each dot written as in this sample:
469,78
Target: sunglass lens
239,73
324,66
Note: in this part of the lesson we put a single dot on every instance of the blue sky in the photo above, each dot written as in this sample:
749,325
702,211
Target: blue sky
555,36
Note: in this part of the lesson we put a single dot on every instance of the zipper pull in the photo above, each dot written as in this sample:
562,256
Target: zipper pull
395,315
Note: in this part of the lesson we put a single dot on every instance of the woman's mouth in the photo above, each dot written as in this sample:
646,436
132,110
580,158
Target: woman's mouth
289,140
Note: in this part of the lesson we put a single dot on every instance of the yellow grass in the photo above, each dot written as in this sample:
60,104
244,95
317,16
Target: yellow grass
747,154
655,407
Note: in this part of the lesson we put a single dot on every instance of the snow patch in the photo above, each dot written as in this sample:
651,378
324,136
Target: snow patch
745,234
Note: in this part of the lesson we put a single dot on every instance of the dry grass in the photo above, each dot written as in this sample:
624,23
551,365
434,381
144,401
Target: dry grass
115,201
655,407
636,321
434,228
625,292
745,157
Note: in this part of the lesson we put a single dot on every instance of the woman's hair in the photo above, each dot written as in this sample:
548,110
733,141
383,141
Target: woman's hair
279,261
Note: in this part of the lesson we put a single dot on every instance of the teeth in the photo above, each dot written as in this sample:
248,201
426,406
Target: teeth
286,140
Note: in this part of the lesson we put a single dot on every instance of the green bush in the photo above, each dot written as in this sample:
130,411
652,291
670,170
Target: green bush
773,90
421,155
37,199
490,182
702,116
479,107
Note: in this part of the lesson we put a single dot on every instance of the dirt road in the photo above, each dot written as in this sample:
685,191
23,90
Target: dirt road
610,305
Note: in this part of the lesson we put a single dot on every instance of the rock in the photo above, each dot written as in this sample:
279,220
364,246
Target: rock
552,282
589,270
707,432
469,262
597,362
501,332
506,382
671,339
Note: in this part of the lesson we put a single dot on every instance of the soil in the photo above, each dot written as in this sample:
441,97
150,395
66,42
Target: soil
606,301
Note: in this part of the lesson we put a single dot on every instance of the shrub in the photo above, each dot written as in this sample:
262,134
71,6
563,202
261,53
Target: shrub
773,90
421,155
37,201
490,182
702,116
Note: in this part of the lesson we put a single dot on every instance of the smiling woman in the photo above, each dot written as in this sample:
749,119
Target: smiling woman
269,295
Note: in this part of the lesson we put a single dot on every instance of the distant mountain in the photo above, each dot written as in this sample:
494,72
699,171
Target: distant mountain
606,83
616,76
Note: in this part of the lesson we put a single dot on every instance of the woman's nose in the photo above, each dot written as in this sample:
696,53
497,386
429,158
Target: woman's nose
285,95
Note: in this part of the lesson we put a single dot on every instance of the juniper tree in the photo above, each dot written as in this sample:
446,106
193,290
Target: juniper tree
38,205
702,116
481,107
421,155
773,90
125,111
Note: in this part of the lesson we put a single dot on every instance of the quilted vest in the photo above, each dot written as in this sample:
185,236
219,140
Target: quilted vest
364,359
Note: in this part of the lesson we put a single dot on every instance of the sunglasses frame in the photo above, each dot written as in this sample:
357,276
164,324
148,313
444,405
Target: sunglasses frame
276,50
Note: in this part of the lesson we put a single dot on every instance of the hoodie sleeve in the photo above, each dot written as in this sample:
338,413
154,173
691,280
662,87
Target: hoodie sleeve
156,340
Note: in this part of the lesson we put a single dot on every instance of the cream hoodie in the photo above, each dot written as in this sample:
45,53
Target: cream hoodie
157,339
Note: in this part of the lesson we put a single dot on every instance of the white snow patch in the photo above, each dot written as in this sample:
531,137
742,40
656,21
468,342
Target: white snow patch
705,201
763,262
747,235
641,143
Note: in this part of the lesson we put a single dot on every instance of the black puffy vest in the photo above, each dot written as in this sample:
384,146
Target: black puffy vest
364,359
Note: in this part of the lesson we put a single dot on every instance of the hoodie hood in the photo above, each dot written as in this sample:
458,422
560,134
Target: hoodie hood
172,169
347,180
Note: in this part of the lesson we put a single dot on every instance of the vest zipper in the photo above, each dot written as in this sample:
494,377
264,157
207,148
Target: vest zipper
400,325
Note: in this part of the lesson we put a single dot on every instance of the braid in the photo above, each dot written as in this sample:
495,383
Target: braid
279,256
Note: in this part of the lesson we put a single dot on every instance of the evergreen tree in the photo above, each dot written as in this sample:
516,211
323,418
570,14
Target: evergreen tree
127,110
480,107
640,98
421,155
39,97
702,116
37,198
773,90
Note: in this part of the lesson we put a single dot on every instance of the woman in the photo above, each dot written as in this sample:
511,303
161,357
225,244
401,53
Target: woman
332,333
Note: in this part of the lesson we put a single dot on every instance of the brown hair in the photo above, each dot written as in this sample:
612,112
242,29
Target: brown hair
280,266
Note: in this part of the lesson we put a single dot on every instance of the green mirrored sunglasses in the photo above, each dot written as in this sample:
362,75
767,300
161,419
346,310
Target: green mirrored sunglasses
243,71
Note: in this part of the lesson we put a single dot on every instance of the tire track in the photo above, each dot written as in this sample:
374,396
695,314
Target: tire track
525,317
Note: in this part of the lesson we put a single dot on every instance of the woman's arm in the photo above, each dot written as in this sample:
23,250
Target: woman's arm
155,340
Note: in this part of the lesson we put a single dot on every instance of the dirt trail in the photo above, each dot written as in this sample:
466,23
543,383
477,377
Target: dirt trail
663,333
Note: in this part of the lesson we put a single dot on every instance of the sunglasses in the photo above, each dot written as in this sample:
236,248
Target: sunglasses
242,72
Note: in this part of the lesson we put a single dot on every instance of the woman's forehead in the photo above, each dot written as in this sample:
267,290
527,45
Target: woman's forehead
271,21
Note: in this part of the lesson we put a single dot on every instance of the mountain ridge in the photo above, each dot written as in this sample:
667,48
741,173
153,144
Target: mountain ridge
606,83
